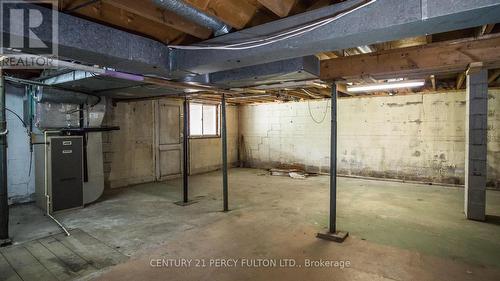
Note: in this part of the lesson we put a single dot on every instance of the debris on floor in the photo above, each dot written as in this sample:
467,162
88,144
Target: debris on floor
293,173
297,175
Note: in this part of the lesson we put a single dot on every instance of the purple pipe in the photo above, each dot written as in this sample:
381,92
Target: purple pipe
123,75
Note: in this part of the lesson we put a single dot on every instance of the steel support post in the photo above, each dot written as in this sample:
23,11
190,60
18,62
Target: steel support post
4,203
333,234
185,157
224,153
185,151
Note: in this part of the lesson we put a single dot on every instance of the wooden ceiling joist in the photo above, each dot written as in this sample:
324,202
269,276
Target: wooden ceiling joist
460,80
486,29
494,76
106,13
433,82
443,57
280,7
234,13
150,11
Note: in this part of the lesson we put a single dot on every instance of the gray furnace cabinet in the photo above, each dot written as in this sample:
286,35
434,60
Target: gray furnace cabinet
64,174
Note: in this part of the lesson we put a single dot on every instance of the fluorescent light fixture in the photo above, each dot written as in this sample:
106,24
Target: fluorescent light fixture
386,86
365,49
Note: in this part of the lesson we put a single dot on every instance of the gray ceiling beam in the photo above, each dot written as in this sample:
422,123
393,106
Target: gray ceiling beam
381,21
95,44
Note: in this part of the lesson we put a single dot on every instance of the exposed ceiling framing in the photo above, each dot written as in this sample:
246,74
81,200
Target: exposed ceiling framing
148,19
439,58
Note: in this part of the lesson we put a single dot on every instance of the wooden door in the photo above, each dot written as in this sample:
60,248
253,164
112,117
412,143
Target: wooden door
168,139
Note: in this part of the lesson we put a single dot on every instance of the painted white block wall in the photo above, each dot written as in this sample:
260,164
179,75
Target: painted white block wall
413,137
21,185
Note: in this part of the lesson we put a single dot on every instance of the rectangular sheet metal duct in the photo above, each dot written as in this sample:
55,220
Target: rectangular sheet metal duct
96,44
296,69
381,21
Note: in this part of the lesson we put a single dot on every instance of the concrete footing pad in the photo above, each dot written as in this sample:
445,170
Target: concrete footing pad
182,203
338,236
5,242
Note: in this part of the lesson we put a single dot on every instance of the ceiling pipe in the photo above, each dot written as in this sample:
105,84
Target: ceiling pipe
193,14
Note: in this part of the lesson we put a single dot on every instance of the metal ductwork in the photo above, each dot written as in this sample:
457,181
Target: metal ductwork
189,12
53,95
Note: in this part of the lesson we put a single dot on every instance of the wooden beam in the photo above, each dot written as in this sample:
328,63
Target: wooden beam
234,13
342,87
280,7
460,80
443,57
493,76
433,82
105,13
403,43
150,11
486,29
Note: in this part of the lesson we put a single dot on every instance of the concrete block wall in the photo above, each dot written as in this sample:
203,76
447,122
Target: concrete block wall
20,181
412,137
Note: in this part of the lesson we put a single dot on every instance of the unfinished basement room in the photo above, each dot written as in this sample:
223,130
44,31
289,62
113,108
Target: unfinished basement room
250,140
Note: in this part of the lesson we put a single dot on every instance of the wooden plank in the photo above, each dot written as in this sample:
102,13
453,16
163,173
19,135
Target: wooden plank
402,43
50,261
433,82
486,29
493,76
460,80
280,7
443,57
7,273
342,87
234,13
150,11
73,261
91,249
26,266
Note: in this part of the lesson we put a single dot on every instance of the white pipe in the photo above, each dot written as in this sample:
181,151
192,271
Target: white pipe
47,197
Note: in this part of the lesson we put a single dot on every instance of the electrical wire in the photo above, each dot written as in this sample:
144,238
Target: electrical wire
18,117
279,37
312,117
27,131
311,94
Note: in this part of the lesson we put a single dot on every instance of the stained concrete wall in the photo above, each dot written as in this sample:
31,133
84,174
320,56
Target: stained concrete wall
414,137
20,180
129,152
206,153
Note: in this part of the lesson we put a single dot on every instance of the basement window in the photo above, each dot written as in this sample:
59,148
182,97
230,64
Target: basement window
203,120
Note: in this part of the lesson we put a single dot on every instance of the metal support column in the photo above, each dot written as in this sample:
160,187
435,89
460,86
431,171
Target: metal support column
333,234
4,203
185,151
224,153
185,160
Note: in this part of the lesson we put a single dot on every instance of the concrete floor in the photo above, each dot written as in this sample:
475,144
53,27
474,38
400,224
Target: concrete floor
398,231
